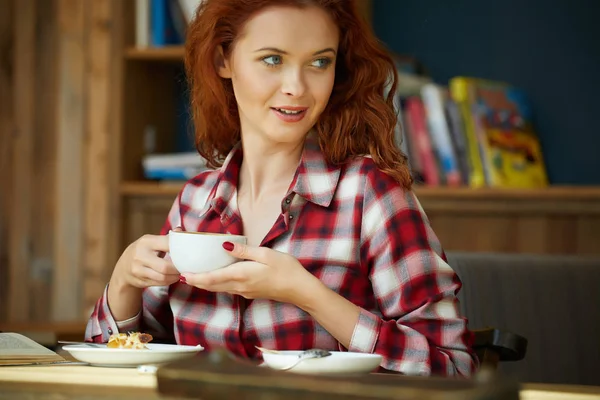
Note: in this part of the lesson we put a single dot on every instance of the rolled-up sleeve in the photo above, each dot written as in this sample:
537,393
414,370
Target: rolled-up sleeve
417,327
101,323
155,317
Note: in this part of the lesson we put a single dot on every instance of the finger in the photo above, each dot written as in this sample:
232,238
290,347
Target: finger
137,282
152,277
155,243
161,265
242,251
220,277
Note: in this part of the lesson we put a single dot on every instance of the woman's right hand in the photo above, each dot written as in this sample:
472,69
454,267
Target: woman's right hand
140,265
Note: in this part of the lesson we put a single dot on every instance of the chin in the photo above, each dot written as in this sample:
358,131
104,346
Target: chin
287,134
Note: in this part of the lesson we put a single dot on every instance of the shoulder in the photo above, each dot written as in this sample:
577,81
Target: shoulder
197,190
384,199
192,198
373,181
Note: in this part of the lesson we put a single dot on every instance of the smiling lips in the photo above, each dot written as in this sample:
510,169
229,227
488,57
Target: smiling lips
289,113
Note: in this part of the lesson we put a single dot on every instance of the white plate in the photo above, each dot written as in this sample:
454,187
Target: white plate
155,354
338,363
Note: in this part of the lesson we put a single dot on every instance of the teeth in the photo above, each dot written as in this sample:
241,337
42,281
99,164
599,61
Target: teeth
289,112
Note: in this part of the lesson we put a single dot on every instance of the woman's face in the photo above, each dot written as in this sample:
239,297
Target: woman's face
282,68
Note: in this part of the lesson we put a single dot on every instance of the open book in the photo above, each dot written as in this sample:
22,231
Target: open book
16,349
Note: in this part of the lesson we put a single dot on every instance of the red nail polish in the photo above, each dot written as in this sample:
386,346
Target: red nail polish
182,280
228,246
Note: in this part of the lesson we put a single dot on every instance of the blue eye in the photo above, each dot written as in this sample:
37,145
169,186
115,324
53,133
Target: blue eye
272,61
321,63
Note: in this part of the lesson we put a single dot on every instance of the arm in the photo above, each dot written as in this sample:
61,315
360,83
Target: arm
418,328
122,309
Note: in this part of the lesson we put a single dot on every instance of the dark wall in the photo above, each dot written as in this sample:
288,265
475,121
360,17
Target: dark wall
550,48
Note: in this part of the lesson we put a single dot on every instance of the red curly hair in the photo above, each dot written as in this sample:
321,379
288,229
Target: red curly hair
358,120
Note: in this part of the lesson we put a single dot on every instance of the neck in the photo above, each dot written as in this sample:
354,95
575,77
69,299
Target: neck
266,168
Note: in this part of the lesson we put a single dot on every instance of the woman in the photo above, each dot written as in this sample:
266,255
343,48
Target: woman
287,99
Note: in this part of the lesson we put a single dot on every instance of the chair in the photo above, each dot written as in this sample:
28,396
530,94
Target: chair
552,300
494,345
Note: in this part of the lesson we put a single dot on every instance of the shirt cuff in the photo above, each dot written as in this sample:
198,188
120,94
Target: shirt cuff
366,332
130,324
104,325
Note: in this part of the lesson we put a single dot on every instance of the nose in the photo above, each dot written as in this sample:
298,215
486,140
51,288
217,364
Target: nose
293,82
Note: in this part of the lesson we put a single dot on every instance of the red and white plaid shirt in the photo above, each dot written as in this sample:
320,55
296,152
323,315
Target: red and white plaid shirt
353,227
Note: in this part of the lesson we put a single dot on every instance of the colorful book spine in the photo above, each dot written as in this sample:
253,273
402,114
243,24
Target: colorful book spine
461,94
500,118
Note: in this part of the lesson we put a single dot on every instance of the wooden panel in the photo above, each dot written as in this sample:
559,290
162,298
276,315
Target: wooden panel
42,247
98,179
70,142
588,235
169,54
118,28
561,234
556,220
548,234
146,216
23,143
530,234
6,145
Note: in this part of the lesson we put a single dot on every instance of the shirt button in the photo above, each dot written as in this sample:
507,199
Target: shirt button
287,201
110,331
291,216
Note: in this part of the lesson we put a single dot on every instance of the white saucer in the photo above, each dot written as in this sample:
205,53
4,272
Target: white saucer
155,354
338,363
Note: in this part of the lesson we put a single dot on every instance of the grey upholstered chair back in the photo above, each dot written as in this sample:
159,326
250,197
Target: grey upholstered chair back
554,301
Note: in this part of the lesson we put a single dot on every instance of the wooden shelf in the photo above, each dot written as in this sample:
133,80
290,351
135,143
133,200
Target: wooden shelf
169,53
150,188
572,193
551,193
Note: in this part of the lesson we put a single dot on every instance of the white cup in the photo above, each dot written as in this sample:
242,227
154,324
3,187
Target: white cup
198,252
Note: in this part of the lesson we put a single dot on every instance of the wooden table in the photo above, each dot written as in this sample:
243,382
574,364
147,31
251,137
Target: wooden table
68,382
538,391
76,382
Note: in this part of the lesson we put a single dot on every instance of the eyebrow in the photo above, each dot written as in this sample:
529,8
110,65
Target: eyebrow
276,50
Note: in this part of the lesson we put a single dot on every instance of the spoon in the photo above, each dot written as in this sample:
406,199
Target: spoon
305,355
89,344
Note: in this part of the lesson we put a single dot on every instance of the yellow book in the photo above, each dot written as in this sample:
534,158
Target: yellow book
463,95
504,149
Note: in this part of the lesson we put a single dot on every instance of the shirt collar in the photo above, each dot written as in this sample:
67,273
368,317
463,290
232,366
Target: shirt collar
315,179
225,199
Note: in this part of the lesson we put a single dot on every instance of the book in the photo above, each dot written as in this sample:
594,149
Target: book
417,123
499,120
173,166
142,23
434,100
16,349
189,8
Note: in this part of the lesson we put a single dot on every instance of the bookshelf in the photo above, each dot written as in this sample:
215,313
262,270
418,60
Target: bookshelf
552,220
168,54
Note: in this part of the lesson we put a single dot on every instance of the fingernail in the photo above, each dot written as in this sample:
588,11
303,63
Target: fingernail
182,279
228,246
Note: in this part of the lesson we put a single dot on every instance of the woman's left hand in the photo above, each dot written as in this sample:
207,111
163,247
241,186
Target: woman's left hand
267,274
